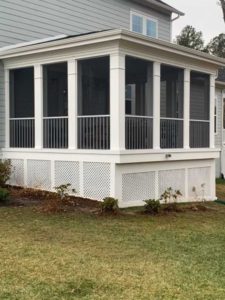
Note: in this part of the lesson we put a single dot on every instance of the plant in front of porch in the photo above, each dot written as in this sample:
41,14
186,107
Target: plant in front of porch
109,205
152,206
170,198
5,174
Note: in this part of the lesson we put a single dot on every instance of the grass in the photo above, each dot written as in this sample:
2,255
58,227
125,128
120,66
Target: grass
77,256
220,189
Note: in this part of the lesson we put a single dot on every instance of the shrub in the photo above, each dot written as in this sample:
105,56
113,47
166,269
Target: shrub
5,172
4,195
64,190
170,196
109,205
152,206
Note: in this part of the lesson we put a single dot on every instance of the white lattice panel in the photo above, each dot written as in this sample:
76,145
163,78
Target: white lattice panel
67,172
174,179
96,180
199,179
17,177
39,174
138,186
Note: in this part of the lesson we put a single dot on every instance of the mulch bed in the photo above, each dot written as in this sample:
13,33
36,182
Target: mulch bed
48,201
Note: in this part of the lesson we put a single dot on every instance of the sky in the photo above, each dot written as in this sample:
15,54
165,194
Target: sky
204,15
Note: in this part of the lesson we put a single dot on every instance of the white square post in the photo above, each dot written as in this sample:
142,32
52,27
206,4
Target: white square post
212,111
156,105
187,74
7,109
117,101
72,103
38,104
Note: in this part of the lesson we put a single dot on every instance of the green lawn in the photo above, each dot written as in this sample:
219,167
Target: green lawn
76,256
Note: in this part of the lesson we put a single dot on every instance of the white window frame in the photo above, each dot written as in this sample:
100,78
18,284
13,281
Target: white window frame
145,17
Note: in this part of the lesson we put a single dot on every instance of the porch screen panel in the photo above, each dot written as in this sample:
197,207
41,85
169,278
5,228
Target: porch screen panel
22,108
199,110
139,103
172,95
94,103
55,122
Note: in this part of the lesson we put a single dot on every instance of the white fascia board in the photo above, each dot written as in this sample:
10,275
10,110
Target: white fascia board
112,35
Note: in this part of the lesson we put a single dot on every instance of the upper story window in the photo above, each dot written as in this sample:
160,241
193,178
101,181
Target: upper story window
144,24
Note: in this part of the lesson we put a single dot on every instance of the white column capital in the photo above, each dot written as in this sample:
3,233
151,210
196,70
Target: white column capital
187,75
38,71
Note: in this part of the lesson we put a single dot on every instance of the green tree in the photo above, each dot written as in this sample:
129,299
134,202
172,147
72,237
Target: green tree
217,46
191,38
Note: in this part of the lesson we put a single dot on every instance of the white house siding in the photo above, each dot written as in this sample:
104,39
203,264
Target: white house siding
26,20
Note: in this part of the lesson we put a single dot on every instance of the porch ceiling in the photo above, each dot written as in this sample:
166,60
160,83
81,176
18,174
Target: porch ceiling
107,36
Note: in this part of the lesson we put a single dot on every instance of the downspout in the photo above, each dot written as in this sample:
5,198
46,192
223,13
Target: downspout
176,18
172,20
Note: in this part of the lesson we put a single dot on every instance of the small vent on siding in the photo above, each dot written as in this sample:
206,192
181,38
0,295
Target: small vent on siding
196,178
67,172
138,186
174,179
96,180
17,177
39,174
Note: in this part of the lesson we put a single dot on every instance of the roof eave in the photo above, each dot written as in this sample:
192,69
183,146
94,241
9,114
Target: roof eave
112,35
163,6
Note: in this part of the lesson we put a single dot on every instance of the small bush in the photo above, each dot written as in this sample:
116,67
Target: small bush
64,190
4,195
152,206
109,205
5,172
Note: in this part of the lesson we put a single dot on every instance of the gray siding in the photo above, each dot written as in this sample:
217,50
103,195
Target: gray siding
26,20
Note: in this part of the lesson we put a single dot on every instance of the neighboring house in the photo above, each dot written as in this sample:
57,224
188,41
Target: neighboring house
113,107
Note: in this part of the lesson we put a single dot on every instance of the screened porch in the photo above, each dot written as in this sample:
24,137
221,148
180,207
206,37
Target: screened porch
84,116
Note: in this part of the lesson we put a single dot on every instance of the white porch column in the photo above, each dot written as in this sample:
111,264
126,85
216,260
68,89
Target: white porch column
7,109
212,109
72,103
187,108
156,105
38,105
117,101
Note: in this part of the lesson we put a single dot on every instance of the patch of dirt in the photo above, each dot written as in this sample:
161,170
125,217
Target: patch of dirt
48,201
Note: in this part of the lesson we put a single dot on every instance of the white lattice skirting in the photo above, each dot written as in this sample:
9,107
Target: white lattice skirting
130,183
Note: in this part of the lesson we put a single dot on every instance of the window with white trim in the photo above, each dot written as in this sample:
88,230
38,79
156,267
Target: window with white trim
144,24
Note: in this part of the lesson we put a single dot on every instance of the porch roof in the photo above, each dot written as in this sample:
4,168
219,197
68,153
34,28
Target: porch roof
69,42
